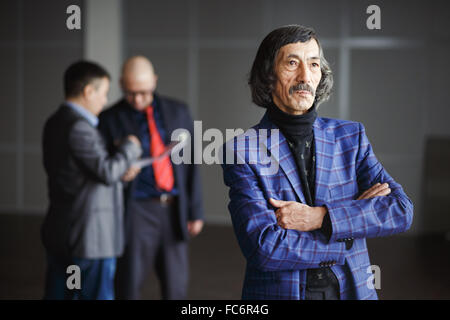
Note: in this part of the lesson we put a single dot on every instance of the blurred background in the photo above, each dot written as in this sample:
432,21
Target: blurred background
393,80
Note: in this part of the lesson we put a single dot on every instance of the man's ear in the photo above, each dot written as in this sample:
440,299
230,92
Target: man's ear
156,82
88,91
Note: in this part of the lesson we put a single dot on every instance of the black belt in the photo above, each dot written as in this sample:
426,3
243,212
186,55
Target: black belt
164,199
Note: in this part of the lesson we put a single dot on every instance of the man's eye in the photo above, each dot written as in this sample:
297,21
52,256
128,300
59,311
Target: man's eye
292,62
315,65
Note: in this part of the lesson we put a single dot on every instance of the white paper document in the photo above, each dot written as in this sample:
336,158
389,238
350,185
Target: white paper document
174,145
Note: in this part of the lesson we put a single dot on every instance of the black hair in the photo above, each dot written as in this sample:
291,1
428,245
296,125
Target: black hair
262,76
81,73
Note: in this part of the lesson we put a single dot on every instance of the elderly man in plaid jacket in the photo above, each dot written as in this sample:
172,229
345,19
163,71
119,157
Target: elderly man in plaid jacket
303,227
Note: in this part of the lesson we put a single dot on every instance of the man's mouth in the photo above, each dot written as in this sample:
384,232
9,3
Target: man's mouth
302,89
303,92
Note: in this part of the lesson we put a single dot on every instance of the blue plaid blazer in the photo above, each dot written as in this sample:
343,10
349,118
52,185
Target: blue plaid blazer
346,166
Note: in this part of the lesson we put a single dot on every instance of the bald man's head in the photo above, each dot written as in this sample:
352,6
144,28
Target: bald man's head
138,81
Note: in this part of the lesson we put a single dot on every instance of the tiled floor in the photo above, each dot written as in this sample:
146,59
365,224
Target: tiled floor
411,267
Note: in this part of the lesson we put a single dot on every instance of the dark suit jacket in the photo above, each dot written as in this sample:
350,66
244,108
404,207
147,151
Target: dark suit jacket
118,122
85,215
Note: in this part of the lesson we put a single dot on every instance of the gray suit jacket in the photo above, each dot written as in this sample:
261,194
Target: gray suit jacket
85,215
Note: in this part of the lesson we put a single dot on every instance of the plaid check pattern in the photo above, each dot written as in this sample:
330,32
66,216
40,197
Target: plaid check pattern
346,166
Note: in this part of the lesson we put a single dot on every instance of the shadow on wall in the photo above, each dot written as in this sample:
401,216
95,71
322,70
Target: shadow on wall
436,185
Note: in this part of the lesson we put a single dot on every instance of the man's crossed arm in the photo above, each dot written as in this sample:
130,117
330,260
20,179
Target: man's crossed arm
298,216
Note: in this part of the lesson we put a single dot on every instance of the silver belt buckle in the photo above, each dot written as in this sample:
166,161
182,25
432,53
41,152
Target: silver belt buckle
163,198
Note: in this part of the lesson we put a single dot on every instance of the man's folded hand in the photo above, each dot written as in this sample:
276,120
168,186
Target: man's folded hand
376,190
298,216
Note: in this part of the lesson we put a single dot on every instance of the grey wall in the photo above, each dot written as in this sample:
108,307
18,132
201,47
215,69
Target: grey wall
36,47
392,80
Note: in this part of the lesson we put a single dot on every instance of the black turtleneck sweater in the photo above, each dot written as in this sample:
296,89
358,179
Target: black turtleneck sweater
298,130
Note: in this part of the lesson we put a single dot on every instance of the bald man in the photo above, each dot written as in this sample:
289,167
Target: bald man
163,200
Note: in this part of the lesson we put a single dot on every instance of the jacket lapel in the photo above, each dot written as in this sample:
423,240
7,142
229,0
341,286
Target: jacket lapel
324,147
283,157
324,151
127,120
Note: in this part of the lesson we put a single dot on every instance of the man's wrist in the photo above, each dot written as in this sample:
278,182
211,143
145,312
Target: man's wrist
322,212
325,227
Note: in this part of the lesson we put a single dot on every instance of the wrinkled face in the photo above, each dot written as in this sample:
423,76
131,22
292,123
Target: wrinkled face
297,69
138,89
97,95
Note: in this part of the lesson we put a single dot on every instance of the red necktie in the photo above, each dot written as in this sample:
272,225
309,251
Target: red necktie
162,168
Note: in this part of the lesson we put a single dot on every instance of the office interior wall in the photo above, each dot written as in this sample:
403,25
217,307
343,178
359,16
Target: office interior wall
36,48
392,80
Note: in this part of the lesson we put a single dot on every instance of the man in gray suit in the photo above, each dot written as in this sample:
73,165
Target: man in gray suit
83,227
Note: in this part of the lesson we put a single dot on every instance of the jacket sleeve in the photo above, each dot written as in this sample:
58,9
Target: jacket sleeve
375,217
88,148
265,245
104,127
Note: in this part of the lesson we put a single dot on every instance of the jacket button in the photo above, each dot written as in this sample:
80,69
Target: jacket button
349,244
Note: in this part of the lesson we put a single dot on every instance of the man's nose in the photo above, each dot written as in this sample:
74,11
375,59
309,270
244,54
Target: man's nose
136,98
303,75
